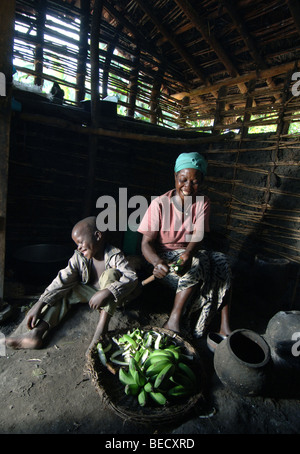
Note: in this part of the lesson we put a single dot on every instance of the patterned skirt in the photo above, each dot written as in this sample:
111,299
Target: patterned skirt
211,272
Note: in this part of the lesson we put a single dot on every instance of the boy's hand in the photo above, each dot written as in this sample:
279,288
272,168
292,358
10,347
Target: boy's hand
100,298
34,314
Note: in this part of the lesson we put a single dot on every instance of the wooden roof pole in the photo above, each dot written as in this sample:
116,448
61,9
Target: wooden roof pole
109,53
154,100
220,108
144,44
7,18
173,40
83,49
93,142
39,48
263,74
133,83
211,40
248,40
294,8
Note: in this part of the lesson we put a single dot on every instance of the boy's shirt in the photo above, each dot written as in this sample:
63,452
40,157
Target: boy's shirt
78,271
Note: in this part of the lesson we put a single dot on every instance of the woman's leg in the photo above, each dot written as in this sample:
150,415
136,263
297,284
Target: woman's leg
180,301
225,327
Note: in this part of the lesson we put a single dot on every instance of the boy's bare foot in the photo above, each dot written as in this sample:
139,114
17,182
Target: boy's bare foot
30,340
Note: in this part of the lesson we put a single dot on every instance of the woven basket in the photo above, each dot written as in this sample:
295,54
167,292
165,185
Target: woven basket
111,390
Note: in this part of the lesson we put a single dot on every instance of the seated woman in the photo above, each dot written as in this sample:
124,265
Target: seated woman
173,229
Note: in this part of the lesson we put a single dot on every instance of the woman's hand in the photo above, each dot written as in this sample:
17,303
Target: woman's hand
99,299
185,263
161,269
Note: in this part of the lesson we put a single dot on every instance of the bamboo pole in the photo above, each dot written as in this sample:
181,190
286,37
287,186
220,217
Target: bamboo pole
155,92
93,139
83,50
133,83
109,55
264,74
87,130
39,49
7,12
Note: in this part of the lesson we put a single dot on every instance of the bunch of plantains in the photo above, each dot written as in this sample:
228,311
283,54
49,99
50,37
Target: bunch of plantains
153,367
176,267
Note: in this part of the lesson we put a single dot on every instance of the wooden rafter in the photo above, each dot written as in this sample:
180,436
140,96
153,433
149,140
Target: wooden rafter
144,43
230,82
83,50
294,8
109,53
240,25
211,40
164,30
7,11
133,83
39,51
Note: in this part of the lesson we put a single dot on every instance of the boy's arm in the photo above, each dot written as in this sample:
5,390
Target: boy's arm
128,280
65,279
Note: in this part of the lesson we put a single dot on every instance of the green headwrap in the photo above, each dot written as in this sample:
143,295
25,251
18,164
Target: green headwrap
191,161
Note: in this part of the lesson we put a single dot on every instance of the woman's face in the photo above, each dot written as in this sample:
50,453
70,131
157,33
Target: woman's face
188,182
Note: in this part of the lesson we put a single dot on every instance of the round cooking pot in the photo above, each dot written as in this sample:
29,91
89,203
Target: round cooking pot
282,333
283,337
242,362
41,262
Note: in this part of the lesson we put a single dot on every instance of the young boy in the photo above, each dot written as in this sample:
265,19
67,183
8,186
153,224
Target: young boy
97,273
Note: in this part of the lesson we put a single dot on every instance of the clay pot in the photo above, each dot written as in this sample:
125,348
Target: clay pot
242,362
283,336
41,262
280,335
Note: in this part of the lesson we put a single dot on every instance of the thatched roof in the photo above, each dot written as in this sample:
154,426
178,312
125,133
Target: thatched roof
177,54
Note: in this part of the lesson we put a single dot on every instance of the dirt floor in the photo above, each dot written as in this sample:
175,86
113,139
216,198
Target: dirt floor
48,391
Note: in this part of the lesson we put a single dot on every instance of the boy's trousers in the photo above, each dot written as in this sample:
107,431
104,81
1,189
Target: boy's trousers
81,293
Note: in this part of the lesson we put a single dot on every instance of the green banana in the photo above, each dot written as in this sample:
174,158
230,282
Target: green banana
148,387
188,371
153,360
138,355
160,351
166,372
158,397
156,368
132,389
132,366
142,397
139,378
178,391
126,377
101,354
129,339
175,353
184,380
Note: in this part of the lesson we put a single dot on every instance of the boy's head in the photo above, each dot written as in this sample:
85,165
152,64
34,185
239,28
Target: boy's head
88,238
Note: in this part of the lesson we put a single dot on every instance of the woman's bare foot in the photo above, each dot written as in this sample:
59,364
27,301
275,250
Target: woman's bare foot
30,340
172,327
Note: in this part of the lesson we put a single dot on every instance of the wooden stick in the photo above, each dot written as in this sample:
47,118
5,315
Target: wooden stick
264,74
7,11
